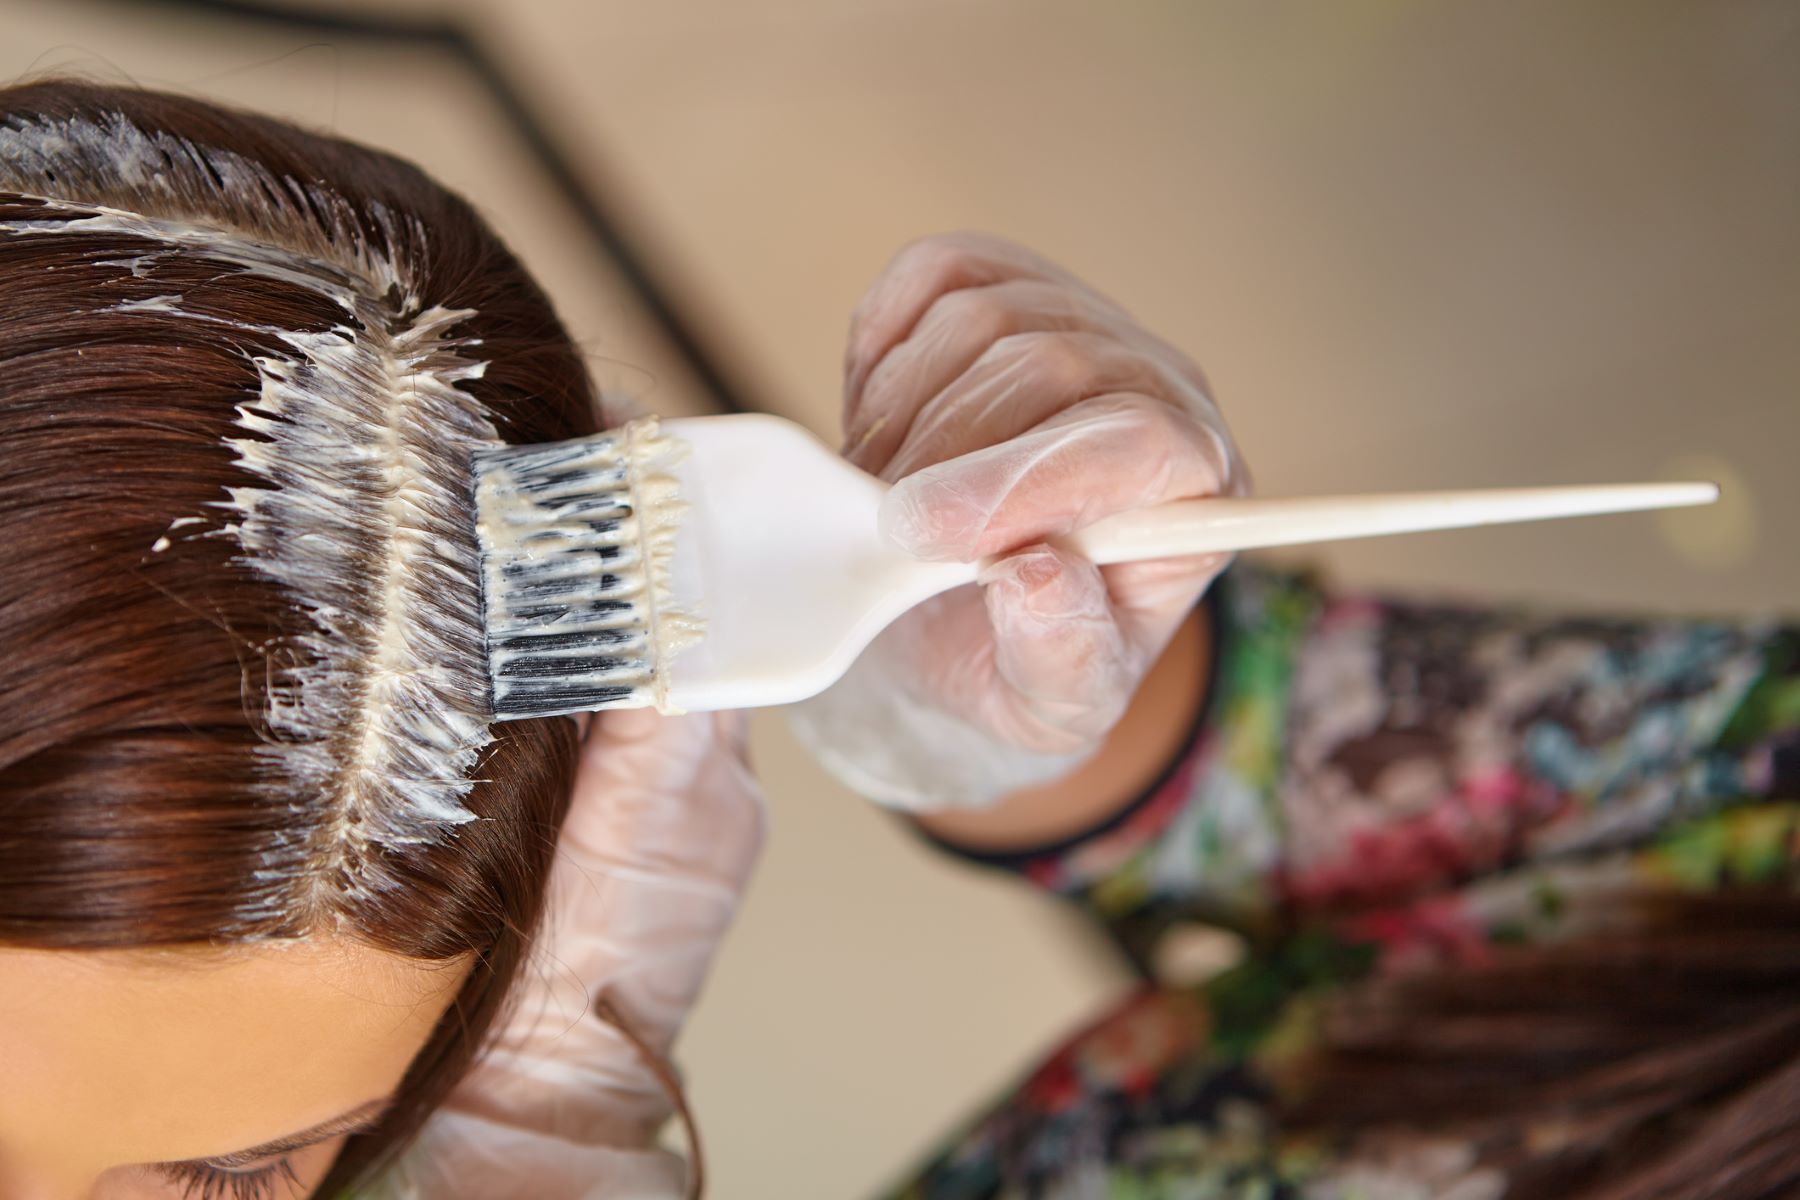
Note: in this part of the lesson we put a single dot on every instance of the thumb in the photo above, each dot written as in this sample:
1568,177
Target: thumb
1058,646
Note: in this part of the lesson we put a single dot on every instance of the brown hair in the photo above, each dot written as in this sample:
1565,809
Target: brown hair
135,685
1655,1062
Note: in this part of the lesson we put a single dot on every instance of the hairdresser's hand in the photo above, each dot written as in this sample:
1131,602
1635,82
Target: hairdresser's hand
664,828
1008,402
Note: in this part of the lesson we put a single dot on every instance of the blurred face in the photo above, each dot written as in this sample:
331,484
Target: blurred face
195,1073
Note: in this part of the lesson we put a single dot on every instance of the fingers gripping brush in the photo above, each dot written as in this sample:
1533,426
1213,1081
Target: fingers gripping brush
735,562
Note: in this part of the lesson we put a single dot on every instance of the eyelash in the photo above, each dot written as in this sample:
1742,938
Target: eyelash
201,1182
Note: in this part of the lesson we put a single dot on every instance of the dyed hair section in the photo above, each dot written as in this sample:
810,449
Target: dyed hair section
168,771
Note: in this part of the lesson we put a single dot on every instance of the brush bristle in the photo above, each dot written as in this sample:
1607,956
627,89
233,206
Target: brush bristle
571,579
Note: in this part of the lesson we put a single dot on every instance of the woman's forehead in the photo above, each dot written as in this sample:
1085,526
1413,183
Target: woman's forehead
134,1056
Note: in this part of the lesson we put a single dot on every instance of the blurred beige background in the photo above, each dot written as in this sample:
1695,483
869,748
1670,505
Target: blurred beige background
1414,245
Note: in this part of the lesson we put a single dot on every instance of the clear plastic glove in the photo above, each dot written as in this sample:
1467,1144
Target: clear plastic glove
664,828
1009,403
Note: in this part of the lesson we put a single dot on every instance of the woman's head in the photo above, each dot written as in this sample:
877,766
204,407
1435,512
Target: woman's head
253,826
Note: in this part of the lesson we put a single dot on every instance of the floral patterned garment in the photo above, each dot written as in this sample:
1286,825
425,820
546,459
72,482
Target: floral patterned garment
1378,784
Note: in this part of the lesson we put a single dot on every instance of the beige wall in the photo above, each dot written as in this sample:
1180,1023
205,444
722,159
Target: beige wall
1414,244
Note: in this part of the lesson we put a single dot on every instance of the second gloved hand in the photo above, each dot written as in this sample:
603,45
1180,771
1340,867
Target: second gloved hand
1009,403
662,832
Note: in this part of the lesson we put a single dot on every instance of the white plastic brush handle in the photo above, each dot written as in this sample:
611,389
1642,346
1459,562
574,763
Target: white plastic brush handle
1220,525
781,557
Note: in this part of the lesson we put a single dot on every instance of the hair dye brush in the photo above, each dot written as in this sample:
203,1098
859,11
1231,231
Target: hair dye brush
735,562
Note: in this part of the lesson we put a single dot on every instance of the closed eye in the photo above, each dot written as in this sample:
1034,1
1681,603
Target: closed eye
199,1181
247,1175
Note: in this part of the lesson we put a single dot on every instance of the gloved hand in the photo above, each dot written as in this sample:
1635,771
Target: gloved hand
1008,403
663,830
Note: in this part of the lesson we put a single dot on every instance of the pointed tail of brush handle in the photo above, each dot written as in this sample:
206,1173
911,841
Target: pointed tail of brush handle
1218,525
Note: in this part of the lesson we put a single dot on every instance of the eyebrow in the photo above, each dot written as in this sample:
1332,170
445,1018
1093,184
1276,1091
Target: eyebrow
356,1120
